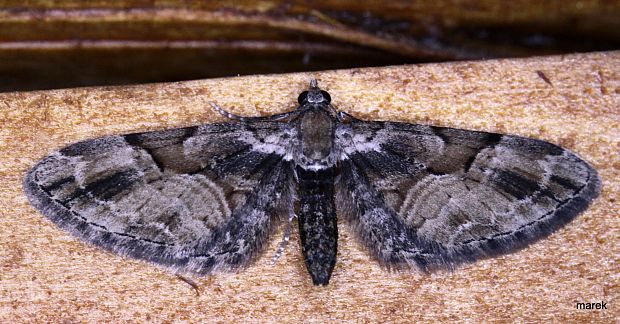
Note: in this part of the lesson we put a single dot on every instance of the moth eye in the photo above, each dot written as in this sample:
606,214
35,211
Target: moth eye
302,97
326,95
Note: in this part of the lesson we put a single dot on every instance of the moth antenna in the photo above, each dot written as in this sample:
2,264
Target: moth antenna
277,117
226,113
345,117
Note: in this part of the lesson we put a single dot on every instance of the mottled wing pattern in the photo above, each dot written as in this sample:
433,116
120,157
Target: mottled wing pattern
435,197
196,199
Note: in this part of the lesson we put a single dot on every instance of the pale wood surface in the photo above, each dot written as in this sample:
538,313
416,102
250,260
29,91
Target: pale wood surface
46,275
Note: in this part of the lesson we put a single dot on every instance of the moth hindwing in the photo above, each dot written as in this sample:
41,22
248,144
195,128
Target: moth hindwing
208,198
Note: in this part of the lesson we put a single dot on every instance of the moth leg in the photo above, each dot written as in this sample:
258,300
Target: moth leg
232,116
190,282
286,237
344,117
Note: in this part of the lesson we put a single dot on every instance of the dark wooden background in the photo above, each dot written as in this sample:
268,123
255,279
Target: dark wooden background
59,44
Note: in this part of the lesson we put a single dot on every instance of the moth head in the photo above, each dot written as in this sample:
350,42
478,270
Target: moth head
314,95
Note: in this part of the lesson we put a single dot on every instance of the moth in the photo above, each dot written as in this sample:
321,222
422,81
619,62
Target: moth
207,198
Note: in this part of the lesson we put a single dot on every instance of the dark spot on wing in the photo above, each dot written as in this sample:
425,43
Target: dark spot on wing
111,186
515,184
564,182
57,184
489,142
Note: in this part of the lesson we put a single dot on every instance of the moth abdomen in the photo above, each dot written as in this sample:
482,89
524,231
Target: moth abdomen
317,222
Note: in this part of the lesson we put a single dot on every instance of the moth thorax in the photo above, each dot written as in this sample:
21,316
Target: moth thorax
316,130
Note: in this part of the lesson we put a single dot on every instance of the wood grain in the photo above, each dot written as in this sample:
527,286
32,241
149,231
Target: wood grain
572,100
66,43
